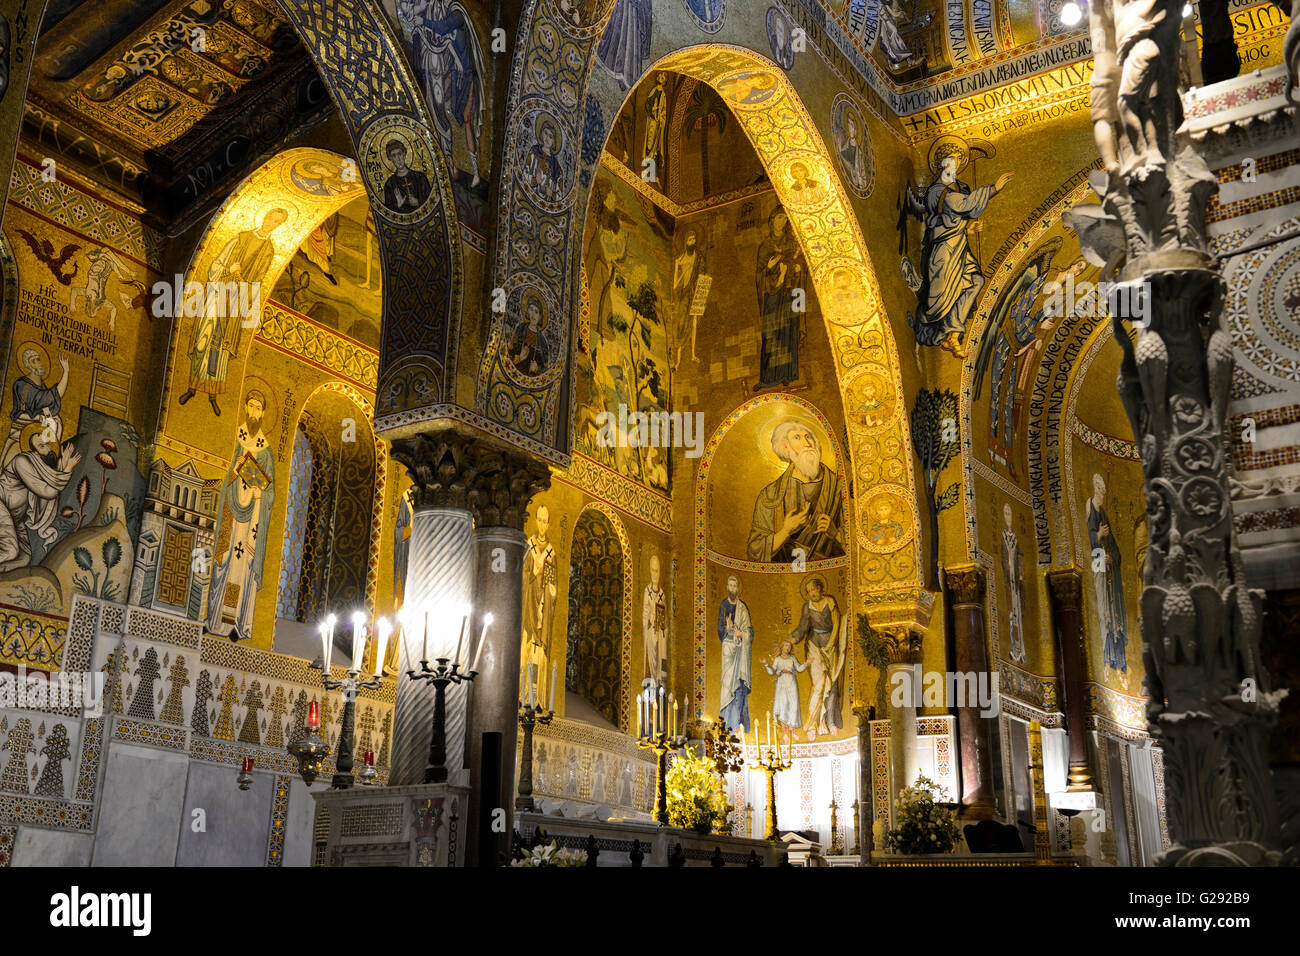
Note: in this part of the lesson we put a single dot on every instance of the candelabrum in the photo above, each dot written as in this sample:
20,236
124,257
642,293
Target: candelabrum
347,735
771,764
836,847
661,744
446,672
529,717
350,684
724,749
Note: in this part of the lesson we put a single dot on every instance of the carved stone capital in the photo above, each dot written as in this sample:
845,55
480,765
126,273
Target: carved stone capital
903,644
451,469
504,484
1066,585
965,583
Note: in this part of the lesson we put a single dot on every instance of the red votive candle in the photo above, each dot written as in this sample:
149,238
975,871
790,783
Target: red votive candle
370,758
313,715
248,765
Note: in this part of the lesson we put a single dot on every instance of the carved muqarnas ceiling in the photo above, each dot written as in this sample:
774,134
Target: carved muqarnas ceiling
155,78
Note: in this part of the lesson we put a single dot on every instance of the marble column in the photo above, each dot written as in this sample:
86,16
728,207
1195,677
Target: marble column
439,581
965,586
505,483
1066,587
904,660
863,815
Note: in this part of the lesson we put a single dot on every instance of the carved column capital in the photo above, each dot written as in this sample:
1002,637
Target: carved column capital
1066,585
903,645
965,583
504,483
452,469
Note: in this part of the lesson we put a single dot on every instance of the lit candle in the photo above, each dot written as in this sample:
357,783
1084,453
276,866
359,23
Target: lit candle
555,670
313,715
426,637
329,641
743,745
674,716
478,653
324,645
464,623
358,638
383,629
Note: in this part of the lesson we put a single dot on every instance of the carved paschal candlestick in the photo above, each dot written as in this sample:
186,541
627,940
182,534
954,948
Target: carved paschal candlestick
529,717
1210,704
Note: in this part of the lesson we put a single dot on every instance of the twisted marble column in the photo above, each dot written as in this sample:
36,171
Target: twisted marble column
439,580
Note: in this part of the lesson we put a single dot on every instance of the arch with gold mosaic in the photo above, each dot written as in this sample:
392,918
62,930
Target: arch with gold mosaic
625,645
784,136
285,199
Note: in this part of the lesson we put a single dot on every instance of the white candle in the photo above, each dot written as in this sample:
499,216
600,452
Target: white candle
555,668
329,641
383,629
464,623
674,716
358,638
426,637
324,645
478,653
638,717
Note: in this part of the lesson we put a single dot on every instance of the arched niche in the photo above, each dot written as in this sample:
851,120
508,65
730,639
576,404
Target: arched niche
247,246
335,500
537,264
737,468
599,591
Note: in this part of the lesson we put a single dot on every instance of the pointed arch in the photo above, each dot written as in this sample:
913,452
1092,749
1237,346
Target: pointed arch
536,257
362,64
624,720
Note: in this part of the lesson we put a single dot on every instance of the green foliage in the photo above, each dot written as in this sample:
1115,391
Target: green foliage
933,414
645,303
552,854
83,558
112,551
36,598
923,825
694,800
876,652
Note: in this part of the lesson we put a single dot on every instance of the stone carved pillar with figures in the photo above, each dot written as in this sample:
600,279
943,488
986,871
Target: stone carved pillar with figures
1210,705
439,581
966,596
1066,588
505,483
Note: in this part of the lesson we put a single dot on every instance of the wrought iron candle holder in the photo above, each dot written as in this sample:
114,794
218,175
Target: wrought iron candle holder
446,672
529,717
347,735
